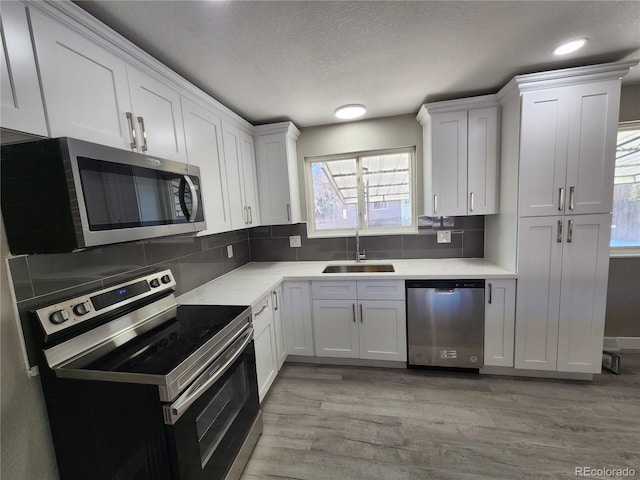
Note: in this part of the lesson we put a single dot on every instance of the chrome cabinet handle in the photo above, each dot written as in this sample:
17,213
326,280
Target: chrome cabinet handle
246,215
559,237
561,199
191,215
174,411
288,212
145,146
435,203
275,297
250,216
570,232
572,197
490,293
471,202
353,306
132,132
264,307
361,315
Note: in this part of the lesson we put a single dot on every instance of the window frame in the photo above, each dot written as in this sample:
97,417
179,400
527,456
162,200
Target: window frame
633,251
363,231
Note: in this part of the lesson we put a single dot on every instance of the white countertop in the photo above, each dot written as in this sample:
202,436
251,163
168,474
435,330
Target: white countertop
247,284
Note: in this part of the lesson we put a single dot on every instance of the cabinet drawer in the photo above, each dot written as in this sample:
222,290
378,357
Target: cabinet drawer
381,289
261,313
334,290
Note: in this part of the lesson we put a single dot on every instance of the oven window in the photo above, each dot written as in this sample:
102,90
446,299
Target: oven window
215,419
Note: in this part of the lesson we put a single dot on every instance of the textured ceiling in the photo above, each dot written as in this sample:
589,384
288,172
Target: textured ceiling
284,60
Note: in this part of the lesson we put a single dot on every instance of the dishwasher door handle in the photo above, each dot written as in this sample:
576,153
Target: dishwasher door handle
445,290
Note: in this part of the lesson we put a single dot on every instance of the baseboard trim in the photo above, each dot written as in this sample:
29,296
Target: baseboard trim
350,362
618,344
519,372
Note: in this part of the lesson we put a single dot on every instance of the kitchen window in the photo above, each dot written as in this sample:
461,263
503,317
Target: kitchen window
625,225
370,191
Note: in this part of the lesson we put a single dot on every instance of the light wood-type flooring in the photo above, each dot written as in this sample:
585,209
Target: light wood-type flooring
343,423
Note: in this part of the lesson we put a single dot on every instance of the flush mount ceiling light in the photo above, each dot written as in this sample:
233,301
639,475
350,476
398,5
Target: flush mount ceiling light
571,46
348,112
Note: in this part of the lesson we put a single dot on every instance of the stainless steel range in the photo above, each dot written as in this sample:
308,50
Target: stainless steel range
138,387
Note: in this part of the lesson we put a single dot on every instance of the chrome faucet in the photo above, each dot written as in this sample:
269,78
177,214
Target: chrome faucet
359,256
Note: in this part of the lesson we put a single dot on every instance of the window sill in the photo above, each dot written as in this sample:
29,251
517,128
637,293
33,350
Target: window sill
366,233
624,252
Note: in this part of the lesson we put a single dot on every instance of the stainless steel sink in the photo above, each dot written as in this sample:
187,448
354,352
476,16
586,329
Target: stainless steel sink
360,268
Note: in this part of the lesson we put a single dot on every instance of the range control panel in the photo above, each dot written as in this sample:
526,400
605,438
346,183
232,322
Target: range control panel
74,311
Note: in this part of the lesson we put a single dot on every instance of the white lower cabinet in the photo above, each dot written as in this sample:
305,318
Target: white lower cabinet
278,325
499,322
360,327
264,338
298,325
563,266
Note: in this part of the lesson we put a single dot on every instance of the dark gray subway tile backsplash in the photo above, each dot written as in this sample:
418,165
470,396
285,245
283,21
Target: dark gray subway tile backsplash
271,243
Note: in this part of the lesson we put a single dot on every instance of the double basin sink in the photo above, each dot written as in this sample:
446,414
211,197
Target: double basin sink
358,268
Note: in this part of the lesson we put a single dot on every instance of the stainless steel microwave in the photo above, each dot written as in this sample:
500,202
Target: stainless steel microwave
62,194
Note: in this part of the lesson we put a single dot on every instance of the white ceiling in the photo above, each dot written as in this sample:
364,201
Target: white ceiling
299,60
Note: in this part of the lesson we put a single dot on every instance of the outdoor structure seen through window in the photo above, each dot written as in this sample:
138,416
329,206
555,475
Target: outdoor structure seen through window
378,185
625,226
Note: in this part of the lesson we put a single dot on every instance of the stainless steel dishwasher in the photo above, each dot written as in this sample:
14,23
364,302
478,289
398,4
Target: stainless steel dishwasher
445,323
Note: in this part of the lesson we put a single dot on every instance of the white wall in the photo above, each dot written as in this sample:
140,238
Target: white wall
347,137
26,451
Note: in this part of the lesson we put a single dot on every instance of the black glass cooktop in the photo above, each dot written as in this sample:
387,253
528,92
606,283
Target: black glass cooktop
160,350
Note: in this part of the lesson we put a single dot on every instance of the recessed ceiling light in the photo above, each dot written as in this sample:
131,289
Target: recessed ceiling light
571,46
348,112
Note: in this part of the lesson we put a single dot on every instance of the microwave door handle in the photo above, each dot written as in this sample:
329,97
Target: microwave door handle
191,216
174,411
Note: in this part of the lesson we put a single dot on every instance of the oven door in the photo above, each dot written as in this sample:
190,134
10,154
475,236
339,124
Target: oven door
209,422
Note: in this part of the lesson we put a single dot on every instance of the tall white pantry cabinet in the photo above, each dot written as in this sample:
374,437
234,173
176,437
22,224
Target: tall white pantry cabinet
558,156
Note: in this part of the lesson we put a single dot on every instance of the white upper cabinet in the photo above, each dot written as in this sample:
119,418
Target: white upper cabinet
93,95
239,153
567,149
158,116
461,156
203,136
22,107
277,162
248,157
85,86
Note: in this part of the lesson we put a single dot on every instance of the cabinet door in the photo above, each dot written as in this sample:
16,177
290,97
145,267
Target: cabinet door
538,296
85,87
231,141
383,330
281,347
482,161
158,116
275,198
499,322
543,152
593,126
203,136
449,163
298,328
22,107
250,181
264,338
585,271
335,326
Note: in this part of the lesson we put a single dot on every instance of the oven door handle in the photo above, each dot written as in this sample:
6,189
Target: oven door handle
211,375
